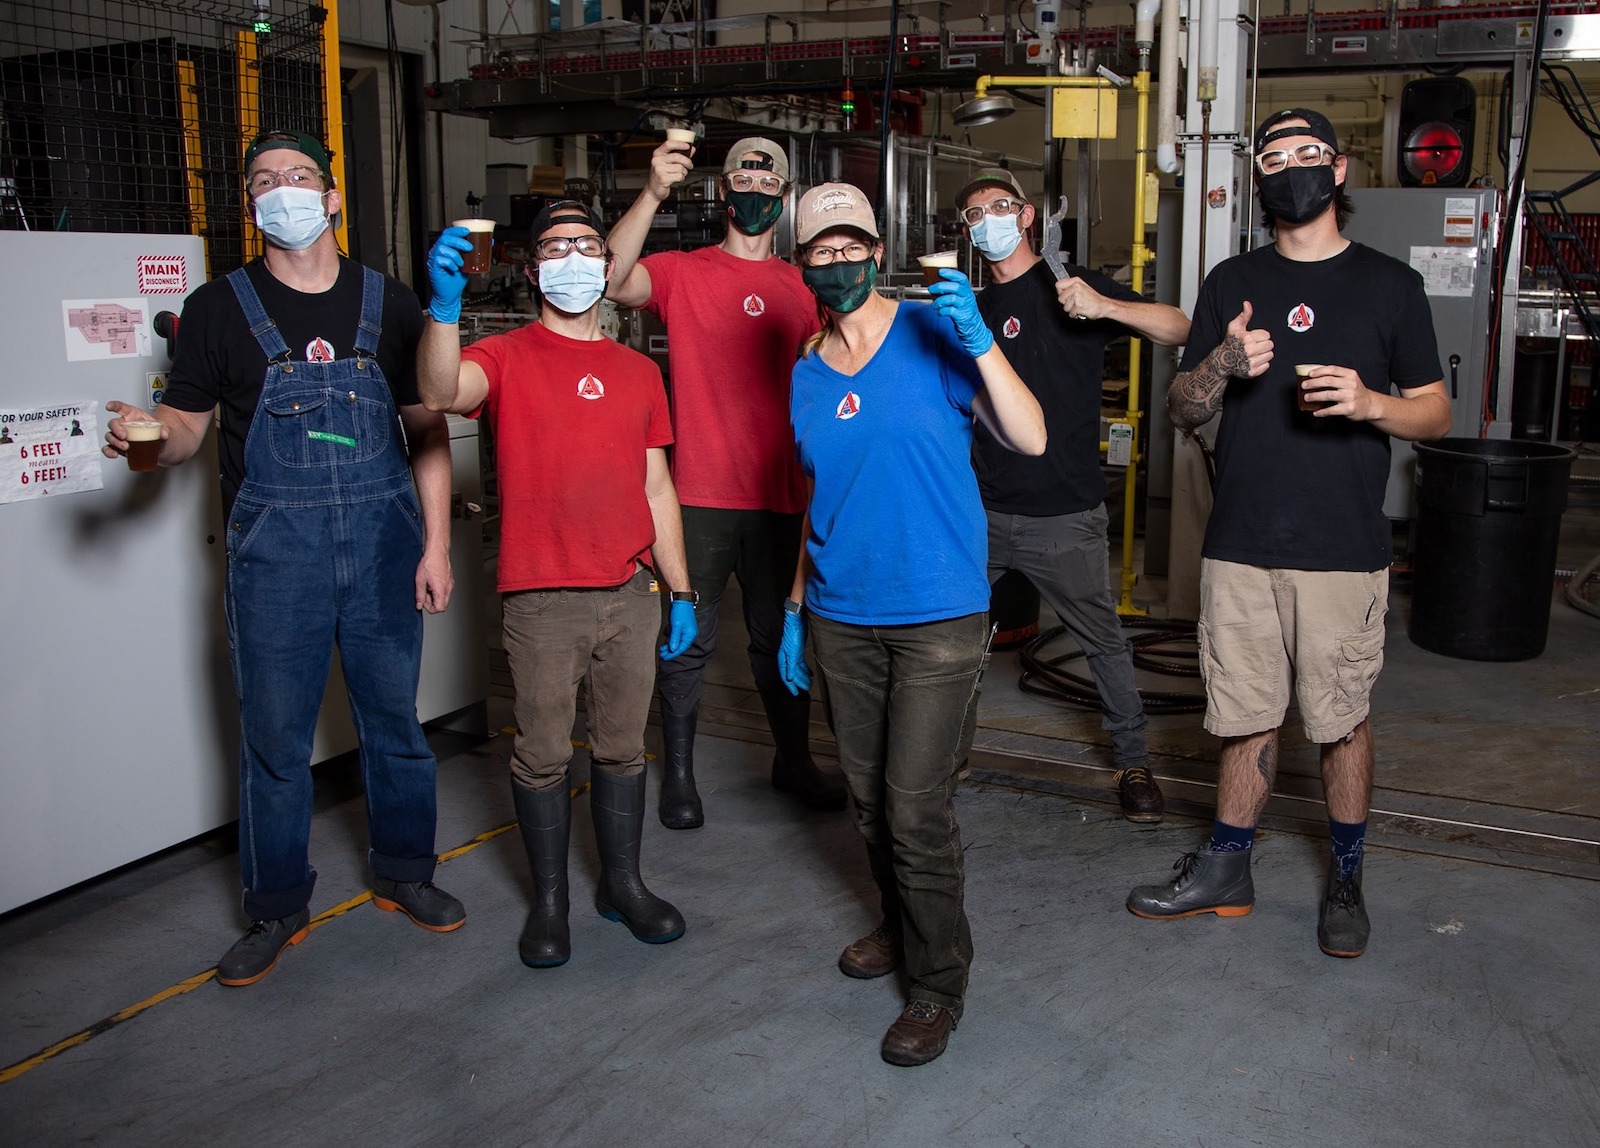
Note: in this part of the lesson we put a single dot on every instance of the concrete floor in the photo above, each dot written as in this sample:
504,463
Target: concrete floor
1470,1021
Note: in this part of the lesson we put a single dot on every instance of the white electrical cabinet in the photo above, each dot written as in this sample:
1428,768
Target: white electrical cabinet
118,723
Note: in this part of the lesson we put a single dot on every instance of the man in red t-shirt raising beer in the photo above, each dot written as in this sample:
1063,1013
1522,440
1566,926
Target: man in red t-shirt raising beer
587,509
736,316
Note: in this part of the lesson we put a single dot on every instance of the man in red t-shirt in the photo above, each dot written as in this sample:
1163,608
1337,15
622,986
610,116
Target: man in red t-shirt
587,507
736,316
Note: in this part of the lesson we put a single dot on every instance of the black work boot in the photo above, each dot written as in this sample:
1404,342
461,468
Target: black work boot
1342,925
618,807
424,902
793,769
1139,795
255,954
545,818
1207,882
680,806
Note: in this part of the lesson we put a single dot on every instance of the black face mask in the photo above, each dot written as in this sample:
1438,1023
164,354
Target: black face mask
1297,194
841,286
753,212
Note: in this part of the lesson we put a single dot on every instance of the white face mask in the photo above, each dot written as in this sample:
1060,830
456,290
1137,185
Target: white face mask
996,236
291,217
573,283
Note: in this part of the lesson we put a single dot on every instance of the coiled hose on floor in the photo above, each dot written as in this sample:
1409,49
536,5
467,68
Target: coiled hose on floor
1160,646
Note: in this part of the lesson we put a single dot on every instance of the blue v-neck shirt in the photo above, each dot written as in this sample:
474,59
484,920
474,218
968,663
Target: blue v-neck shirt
898,534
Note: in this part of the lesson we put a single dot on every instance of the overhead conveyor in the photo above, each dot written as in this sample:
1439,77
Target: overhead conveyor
588,79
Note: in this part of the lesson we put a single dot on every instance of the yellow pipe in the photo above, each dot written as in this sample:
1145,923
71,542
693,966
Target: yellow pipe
247,77
1141,256
333,106
981,88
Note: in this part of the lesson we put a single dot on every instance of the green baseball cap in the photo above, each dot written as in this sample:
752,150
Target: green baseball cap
294,141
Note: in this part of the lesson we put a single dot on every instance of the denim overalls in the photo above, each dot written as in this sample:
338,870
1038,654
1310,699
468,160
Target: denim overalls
323,545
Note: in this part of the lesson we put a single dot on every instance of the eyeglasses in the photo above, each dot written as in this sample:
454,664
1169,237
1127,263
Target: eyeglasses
1306,155
765,184
264,181
819,256
558,246
1000,205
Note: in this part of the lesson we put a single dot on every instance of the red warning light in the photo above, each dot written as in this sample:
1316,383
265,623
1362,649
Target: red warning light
1433,153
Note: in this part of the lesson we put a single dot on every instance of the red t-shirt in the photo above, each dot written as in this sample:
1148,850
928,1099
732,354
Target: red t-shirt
734,329
572,420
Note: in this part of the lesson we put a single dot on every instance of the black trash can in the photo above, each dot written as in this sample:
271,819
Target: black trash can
1488,521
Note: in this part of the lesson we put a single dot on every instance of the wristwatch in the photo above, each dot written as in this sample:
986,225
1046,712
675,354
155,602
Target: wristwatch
790,606
688,596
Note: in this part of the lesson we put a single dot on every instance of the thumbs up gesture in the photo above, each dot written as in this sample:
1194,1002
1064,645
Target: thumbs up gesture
1245,353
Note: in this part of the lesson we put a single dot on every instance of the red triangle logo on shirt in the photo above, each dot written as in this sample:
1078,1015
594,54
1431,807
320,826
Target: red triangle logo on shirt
590,387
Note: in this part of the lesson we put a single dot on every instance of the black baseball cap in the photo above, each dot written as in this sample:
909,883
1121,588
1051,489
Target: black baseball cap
294,141
564,211
1317,126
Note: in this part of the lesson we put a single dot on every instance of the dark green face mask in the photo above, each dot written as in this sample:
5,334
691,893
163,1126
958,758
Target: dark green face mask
753,212
841,286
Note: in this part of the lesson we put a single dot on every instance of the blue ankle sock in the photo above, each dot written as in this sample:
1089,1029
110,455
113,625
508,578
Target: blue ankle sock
1227,838
1348,838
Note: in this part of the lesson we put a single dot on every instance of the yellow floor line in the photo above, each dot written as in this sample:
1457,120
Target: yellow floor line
12,1071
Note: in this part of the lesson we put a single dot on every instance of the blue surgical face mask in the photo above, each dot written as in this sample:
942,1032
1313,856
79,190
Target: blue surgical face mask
996,236
291,217
573,283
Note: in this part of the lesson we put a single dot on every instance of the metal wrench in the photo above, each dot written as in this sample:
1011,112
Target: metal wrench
1050,246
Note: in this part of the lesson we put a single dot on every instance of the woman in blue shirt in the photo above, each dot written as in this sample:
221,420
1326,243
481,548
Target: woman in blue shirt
893,576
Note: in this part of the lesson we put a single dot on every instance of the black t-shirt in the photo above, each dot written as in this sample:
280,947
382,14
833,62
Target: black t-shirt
219,363
1062,360
1293,490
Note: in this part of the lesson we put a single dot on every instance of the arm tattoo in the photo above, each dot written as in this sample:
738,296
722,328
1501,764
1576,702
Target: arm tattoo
1197,395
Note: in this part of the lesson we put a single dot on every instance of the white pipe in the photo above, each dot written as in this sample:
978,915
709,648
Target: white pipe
1206,91
1167,91
1144,21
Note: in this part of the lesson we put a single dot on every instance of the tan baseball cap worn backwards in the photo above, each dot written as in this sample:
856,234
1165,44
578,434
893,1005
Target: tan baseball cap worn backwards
760,146
833,205
995,176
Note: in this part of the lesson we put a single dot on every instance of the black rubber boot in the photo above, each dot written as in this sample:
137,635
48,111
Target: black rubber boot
793,770
1342,925
1206,883
618,807
680,806
545,818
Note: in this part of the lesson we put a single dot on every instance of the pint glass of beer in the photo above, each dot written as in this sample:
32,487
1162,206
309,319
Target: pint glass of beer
144,444
481,232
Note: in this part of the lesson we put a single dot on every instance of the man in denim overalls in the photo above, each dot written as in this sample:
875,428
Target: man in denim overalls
337,533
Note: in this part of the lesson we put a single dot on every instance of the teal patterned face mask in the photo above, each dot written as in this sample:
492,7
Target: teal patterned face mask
841,286
753,212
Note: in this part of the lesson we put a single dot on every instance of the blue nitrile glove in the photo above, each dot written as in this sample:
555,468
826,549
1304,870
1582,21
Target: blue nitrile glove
445,276
682,630
792,666
953,296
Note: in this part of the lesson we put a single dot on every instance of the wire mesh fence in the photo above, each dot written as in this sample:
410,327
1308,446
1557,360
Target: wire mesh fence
132,116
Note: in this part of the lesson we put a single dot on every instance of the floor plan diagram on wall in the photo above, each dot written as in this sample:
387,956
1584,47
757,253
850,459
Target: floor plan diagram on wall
105,328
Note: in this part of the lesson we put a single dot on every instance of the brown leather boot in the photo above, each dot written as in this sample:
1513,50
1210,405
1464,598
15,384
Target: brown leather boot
920,1035
877,954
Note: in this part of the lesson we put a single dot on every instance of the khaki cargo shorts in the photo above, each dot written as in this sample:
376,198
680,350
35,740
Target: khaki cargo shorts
1263,630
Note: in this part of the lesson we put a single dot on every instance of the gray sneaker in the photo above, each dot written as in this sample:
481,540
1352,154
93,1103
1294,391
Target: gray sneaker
1207,882
254,954
1342,925
423,901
